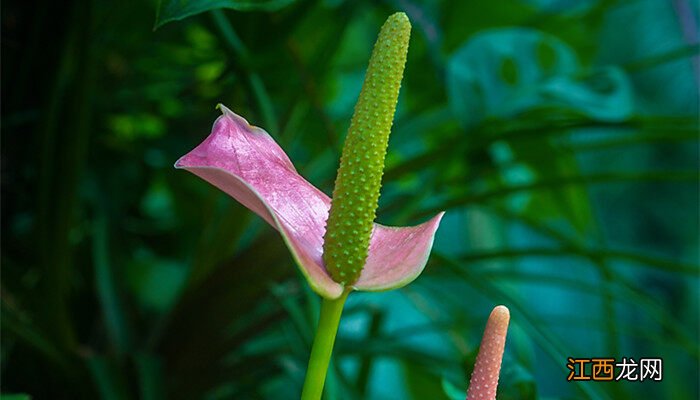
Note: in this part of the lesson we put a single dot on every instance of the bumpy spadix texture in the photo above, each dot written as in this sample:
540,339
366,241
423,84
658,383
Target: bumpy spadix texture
484,381
245,162
359,177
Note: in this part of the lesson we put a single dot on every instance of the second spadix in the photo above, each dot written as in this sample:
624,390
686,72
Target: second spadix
356,192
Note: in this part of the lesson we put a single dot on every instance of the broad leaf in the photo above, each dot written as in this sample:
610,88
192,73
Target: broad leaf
504,72
175,10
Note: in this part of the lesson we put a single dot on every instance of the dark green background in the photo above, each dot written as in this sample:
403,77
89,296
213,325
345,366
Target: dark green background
561,137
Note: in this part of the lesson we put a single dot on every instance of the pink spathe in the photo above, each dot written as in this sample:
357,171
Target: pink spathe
245,162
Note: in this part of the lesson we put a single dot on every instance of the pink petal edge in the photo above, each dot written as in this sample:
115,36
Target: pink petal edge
484,381
246,163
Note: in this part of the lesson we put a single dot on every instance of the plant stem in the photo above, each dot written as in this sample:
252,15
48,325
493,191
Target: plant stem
331,309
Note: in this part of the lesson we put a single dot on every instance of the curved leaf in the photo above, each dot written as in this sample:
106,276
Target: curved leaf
503,72
175,10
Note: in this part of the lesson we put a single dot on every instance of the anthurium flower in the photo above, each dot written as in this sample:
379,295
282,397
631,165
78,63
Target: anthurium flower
336,244
246,163
484,380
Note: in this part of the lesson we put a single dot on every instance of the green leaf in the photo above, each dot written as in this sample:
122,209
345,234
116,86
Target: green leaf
15,397
421,384
497,73
565,7
662,84
156,282
175,10
108,378
150,376
452,391
503,72
604,94
107,287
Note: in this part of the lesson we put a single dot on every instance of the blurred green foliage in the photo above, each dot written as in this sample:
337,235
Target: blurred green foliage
560,136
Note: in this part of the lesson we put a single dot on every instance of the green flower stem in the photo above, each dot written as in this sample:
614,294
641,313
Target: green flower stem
331,309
